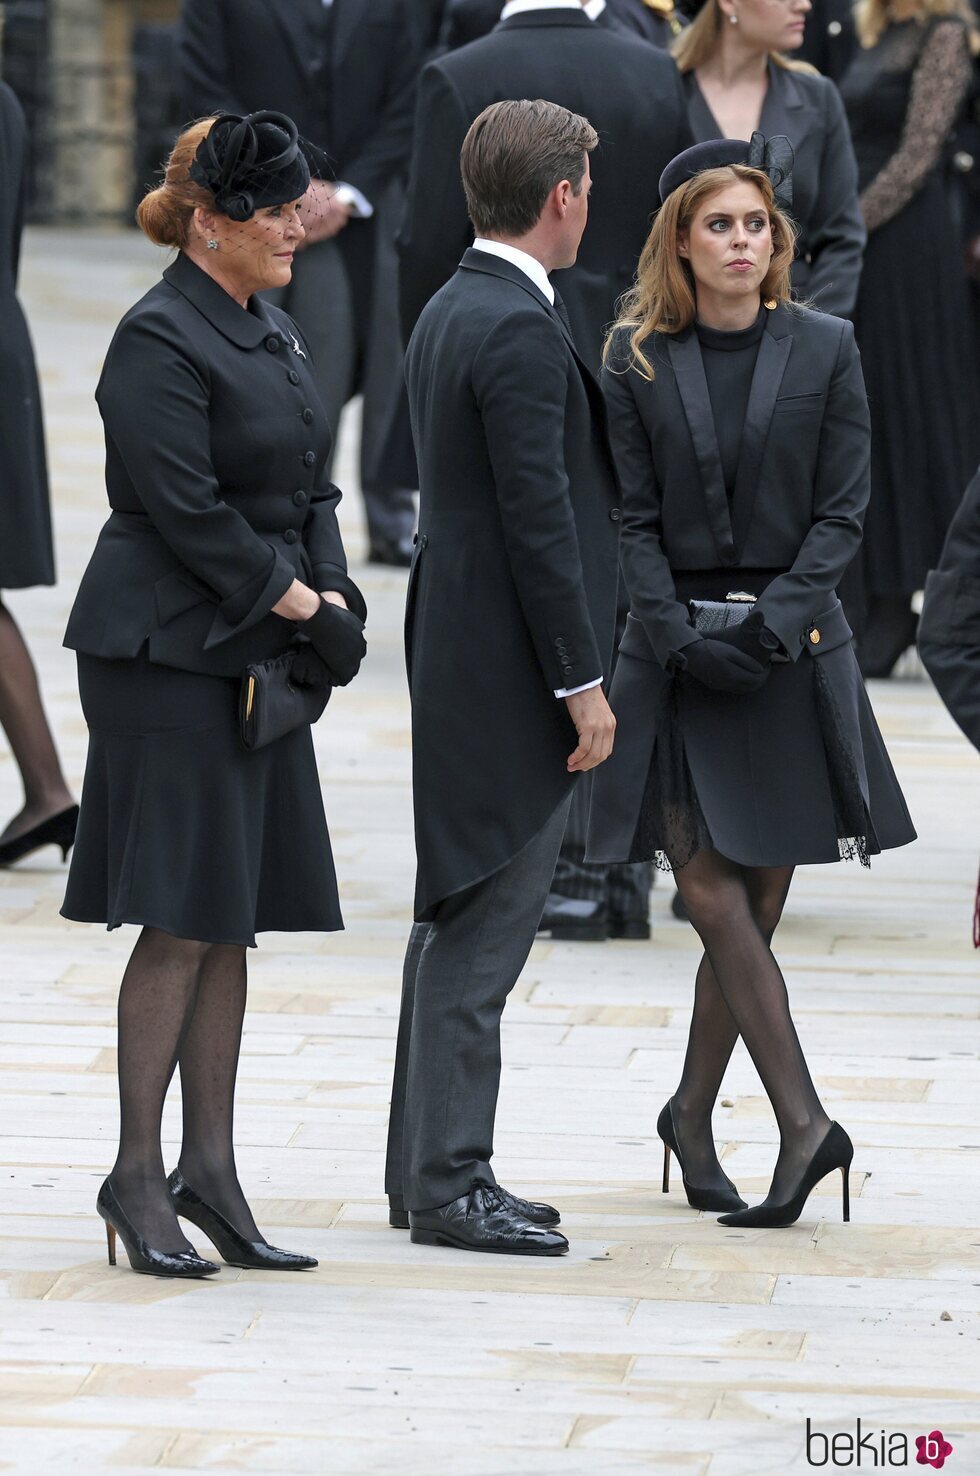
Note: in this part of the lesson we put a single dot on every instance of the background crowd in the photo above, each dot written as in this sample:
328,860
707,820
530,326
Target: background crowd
882,106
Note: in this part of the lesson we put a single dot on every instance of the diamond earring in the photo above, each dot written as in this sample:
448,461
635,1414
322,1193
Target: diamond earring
212,245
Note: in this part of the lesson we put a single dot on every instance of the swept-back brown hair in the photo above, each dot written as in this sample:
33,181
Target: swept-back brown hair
662,298
513,156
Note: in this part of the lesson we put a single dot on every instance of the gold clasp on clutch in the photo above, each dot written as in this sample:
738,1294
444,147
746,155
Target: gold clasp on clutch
739,597
250,698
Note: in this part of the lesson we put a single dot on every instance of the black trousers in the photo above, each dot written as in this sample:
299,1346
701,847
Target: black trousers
459,970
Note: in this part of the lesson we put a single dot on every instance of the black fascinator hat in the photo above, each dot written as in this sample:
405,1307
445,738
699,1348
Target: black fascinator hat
249,163
774,156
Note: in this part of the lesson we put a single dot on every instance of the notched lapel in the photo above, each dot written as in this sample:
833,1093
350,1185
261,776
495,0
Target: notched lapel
692,386
770,366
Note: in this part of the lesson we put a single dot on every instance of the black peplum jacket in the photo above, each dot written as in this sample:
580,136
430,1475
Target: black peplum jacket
216,455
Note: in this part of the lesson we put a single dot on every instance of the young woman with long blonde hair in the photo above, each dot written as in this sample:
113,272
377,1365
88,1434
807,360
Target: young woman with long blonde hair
745,745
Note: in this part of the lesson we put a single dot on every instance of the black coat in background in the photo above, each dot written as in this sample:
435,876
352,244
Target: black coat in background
656,24
949,626
512,594
633,96
26,552
809,111
830,39
798,503
468,20
216,449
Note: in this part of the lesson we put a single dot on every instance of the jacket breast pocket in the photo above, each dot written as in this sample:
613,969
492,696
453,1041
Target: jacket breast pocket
800,404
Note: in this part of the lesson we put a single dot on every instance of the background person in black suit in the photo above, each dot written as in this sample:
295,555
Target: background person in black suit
949,626
741,431
632,94
468,20
222,537
49,813
346,73
739,80
509,632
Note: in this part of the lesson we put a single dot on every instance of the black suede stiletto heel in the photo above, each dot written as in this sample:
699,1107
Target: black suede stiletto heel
835,1152
57,830
252,1255
699,1199
143,1256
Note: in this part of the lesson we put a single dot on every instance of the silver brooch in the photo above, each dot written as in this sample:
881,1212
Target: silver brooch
296,347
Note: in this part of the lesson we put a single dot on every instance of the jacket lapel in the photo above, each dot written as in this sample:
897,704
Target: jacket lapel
770,366
688,367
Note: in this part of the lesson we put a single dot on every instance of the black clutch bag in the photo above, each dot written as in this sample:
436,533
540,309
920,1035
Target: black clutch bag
710,616
270,706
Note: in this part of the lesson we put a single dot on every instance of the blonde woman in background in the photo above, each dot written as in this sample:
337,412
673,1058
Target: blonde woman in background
739,79
903,93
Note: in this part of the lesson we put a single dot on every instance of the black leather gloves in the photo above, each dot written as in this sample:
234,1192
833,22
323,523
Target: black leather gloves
721,666
752,637
337,637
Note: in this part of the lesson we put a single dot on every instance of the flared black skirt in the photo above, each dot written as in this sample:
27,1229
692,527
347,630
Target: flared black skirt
184,829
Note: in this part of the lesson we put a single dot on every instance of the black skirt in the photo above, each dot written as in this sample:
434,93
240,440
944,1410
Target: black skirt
181,827
792,774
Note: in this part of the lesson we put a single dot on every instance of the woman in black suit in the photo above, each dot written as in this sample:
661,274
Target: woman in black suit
739,78
222,539
49,813
745,747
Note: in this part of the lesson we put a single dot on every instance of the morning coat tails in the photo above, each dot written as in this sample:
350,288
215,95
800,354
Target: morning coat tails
512,594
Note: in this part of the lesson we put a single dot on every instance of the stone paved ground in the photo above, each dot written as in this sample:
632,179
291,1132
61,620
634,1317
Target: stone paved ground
663,1343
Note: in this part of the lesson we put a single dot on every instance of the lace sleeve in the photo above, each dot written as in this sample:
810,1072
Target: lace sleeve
939,85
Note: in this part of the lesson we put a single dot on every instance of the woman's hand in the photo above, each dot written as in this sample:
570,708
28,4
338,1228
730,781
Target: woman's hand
337,636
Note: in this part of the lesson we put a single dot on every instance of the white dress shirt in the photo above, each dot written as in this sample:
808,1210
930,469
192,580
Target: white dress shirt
532,268
516,7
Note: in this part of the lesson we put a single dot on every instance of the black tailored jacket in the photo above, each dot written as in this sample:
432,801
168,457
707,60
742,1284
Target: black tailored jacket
629,91
801,489
468,20
949,627
216,448
356,104
830,245
512,593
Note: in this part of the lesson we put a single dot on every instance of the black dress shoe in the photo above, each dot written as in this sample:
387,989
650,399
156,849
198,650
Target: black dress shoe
538,1214
57,830
570,920
483,1220
636,929
253,1255
142,1255
395,552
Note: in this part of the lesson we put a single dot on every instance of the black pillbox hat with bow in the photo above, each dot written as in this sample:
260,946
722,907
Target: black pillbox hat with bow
774,156
254,161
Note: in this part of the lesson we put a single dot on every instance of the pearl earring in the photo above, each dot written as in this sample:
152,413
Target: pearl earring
212,245
733,19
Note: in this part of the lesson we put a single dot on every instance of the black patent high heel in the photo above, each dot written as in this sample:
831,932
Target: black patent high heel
253,1255
143,1256
57,830
699,1199
835,1152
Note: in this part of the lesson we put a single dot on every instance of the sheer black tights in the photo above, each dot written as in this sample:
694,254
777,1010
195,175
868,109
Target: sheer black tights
740,991
180,1001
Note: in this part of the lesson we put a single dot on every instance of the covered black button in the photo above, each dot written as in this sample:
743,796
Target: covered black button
615,515
272,344
307,416
567,670
309,458
290,535
293,377
299,498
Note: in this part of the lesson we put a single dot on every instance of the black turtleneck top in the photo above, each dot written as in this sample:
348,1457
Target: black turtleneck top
729,363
